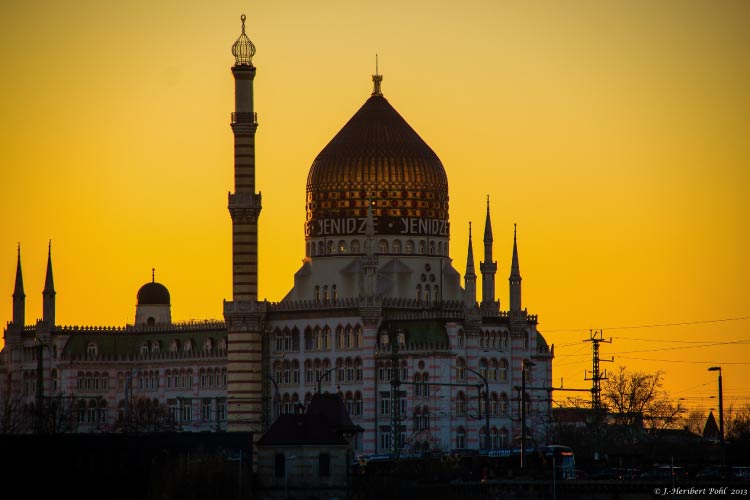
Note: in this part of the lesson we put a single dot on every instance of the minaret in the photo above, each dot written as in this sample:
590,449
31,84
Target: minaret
19,297
244,315
515,279
470,278
488,267
245,203
48,295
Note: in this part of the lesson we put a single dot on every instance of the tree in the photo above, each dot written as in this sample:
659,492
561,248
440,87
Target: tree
695,421
738,424
637,399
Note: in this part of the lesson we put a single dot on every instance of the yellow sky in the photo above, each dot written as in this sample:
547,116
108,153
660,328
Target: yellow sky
616,134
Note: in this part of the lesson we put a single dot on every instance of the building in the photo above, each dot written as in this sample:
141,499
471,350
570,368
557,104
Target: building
377,312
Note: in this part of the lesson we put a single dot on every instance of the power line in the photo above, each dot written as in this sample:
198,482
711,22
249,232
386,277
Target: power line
685,347
692,362
658,325
675,341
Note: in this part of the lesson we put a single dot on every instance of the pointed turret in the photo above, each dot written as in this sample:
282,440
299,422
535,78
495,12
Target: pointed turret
488,267
19,297
515,278
470,278
48,295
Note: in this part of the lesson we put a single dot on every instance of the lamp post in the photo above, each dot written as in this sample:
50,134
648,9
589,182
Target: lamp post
721,412
486,408
321,377
524,372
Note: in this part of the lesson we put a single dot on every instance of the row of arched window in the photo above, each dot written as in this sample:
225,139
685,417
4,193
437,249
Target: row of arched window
499,439
290,402
428,293
92,412
385,371
397,247
318,338
498,405
212,378
493,370
92,381
492,339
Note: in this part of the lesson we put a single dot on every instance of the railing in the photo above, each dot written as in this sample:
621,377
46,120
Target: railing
244,117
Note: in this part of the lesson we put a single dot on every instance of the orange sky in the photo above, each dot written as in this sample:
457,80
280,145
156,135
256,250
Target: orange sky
616,134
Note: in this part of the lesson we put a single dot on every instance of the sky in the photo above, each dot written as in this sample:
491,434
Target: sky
615,134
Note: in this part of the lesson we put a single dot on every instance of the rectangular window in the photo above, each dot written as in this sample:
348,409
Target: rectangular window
221,410
186,410
385,438
385,403
206,410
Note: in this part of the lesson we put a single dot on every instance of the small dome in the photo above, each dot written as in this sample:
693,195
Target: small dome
153,294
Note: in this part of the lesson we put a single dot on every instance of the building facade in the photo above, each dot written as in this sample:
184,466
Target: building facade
377,312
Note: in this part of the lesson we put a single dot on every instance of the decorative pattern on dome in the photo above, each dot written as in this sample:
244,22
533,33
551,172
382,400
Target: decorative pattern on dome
243,49
377,155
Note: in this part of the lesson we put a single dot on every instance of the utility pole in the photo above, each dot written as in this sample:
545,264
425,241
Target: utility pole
596,386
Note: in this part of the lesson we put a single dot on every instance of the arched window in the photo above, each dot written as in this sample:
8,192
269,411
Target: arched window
422,247
329,247
409,248
494,404
503,438
340,338
419,292
460,438
287,375
358,337
417,384
503,404
92,349
321,248
144,349
460,369
461,338
349,369
340,370
503,375
358,369
309,376
483,438
188,347
355,246
342,246
295,372
483,367
417,418
397,246
494,439
432,248
460,403
493,370
358,403
383,246
174,345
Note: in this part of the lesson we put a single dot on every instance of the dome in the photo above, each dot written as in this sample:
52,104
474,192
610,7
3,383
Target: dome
377,156
153,294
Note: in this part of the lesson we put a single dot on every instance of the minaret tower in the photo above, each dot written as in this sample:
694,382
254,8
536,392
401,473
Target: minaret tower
488,267
515,279
244,315
470,278
48,295
19,297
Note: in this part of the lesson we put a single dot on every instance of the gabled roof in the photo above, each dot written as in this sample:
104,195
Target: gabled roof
325,423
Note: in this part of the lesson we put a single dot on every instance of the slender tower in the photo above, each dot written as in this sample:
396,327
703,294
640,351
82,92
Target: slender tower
515,279
488,267
48,295
470,278
19,297
244,315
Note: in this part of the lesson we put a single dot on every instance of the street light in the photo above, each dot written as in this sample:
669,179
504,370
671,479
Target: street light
321,377
486,407
524,371
721,412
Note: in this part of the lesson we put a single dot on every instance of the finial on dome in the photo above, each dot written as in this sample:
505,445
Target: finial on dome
243,49
153,269
377,78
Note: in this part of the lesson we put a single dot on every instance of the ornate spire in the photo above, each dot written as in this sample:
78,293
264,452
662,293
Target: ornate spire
470,257
153,275
514,269
515,278
377,79
49,281
18,292
470,278
19,297
488,225
243,49
48,295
